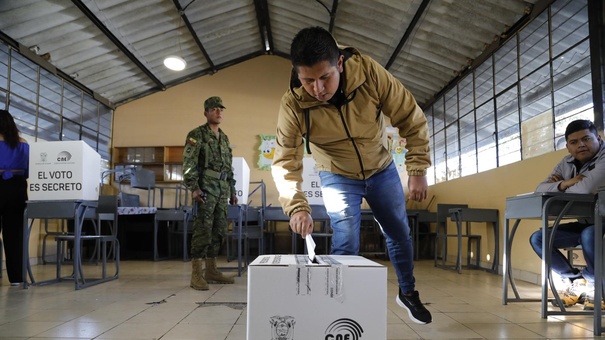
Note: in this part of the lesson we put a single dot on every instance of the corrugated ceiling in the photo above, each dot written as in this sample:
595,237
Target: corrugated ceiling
116,47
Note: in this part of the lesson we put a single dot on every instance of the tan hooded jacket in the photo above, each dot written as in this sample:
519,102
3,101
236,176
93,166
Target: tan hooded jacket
347,140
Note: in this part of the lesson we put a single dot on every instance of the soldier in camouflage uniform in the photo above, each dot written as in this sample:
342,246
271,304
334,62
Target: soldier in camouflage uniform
208,173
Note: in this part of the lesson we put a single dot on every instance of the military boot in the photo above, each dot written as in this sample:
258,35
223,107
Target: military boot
197,276
213,275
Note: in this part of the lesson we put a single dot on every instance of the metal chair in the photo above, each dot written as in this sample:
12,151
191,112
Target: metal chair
443,217
252,229
107,210
128,200
61,230
255,227
271,216
144,179
171,217
235,215
184,231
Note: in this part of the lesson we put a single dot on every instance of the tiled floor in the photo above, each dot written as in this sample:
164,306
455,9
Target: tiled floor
152,300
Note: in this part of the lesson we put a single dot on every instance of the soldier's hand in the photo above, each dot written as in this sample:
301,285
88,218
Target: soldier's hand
199,196
233,200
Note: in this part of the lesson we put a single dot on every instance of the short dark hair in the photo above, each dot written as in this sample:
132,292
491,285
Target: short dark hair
579,125
313,45
8,129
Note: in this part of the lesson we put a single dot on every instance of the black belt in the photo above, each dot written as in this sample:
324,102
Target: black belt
221,176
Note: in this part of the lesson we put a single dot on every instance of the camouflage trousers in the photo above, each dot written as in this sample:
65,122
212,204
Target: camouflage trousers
209,227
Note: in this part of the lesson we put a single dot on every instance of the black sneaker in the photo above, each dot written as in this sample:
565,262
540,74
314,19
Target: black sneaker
416,310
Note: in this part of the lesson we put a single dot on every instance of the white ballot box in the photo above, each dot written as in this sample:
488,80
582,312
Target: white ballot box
63,171
311,184
339,297
241,174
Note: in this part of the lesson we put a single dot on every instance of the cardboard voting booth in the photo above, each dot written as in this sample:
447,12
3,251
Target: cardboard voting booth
63,170
241,174
339,297
311,184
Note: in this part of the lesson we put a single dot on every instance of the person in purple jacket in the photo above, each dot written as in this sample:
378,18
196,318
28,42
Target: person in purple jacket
14,171
581,172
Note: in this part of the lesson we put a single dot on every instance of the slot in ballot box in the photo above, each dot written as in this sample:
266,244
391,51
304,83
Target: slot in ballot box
64,170
339,297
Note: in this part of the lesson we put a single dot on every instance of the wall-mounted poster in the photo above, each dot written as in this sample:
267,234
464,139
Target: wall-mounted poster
396,146
267,149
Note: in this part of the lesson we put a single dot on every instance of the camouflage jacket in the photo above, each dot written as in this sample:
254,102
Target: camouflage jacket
204,151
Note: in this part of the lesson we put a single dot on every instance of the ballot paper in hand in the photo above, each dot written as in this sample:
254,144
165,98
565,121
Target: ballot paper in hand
310,247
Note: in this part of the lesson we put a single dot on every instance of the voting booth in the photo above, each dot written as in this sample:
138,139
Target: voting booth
241,174
311,184
339,297
64,170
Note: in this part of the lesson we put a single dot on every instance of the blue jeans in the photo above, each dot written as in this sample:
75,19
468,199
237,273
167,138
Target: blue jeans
569,235
384,193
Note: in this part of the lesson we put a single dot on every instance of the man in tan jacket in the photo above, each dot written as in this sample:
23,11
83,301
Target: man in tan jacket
334,108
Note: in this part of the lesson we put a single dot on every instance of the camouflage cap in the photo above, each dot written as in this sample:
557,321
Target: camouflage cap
213,102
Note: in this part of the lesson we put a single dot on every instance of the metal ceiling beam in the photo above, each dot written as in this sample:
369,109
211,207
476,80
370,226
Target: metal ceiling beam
596,30
408,32
88,13
333,16
264,24
194,34
210,70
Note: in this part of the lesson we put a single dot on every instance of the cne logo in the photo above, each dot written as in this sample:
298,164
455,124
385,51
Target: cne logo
63,156
344,329
282,327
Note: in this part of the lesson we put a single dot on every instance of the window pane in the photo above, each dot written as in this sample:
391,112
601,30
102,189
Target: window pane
452,151
537,134
536,95
533,44
439,163
438,115
48,125
506,65
72,103
451,106
430,172
90,137
24,114
3,66
465,95
50,91
105,120
486,141
569,24
561,122
509,141
484,82
104,147
468,151
428,113
90,113
70,131
24,77
572,86
3,97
